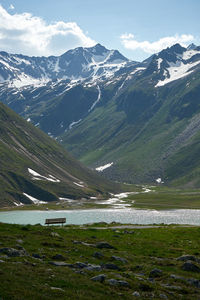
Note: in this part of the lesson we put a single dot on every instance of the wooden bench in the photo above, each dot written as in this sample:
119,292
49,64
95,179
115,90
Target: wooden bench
55,221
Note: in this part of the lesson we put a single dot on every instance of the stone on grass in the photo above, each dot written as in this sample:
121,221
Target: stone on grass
116,282
121,259
188,257
102,245
56,289
99,278
59,264
136,294
11,252
58,257
190,267
163,296
194,282
54,234
36,255
79,265
155,273
91,267
98,255
110,266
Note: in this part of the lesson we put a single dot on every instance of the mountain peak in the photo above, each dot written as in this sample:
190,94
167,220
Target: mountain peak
192,46
177,48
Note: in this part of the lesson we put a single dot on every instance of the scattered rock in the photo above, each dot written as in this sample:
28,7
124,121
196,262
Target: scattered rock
58,257
190,267
98,255
91,267
11,252
191,281
59,264
54,234
100,278
83,243
38,256
129,231
110,266
172,287
136,294
194,282
4,257
79,265
188,257
123,283
121,259
174,276
2,261
56,289
163,296
115,282
155,273
105,245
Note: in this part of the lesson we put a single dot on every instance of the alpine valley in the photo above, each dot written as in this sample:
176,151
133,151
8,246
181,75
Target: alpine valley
136,122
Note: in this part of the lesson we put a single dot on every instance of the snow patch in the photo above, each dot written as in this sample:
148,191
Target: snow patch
74,123
34,200
25,80
159,62
98,98
78,184
37,176
102,168
159,180
18,204
177,71
66,199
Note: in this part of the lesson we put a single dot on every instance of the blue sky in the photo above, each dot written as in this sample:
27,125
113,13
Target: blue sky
136,28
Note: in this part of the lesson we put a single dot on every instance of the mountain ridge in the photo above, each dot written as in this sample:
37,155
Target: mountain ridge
132,120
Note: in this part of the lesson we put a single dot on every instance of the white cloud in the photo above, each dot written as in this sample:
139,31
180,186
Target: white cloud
129,42
11,7
27,34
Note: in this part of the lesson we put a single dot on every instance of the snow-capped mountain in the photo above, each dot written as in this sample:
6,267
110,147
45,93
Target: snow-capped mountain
174,63
77,64
105,108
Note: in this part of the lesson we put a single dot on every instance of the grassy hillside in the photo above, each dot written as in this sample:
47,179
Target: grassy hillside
140,263
146,132
23,147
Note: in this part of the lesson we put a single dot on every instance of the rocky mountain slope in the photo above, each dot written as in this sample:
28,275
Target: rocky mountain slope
36,169
139,122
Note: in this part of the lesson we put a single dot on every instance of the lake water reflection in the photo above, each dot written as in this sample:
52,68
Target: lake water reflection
126,215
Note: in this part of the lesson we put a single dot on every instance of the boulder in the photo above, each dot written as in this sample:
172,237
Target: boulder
190,267
59,264
58,257
11,252
188,257
155,273
104,245
80,265
110,266
91,267
116,282
98,255
136,294
100,278
121,259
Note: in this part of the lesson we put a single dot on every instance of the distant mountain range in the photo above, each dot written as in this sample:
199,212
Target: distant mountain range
141,119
